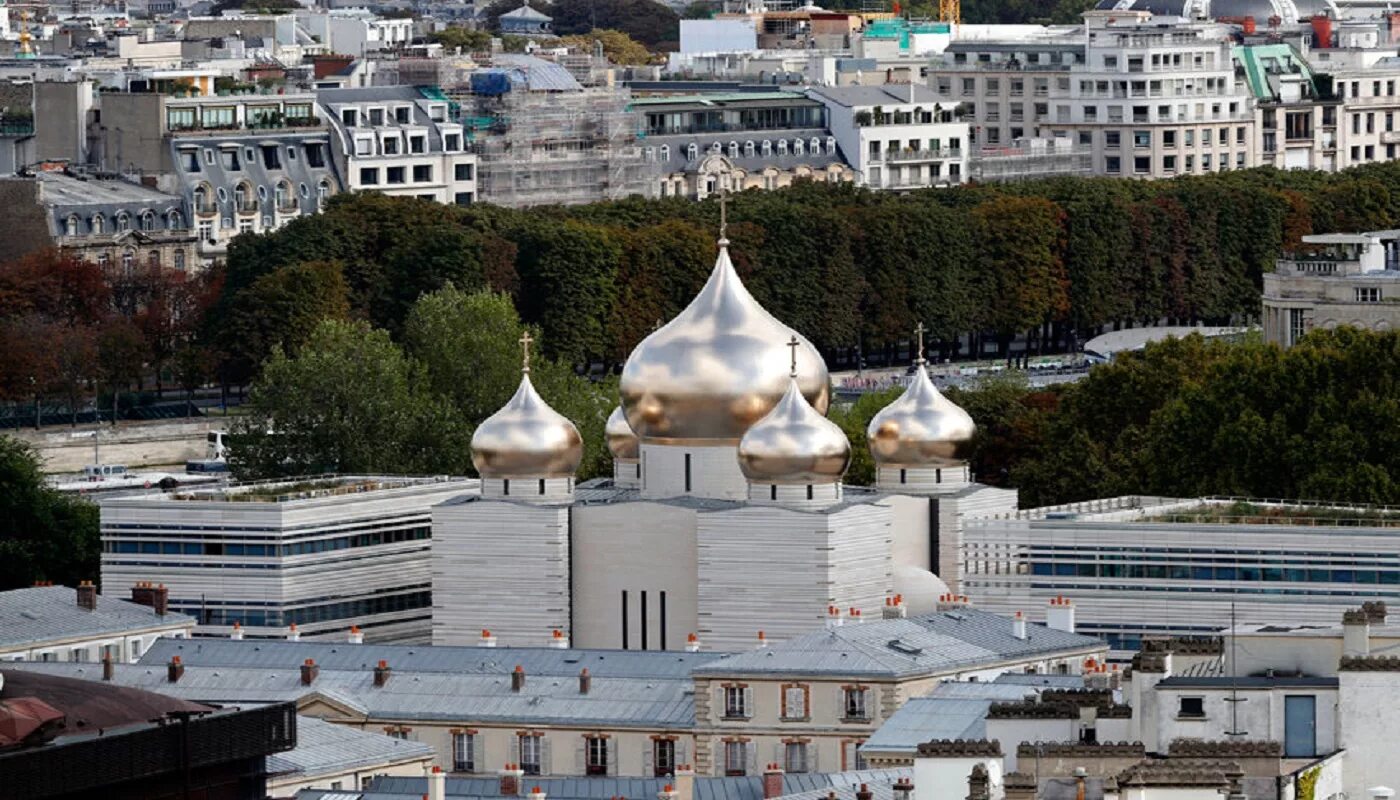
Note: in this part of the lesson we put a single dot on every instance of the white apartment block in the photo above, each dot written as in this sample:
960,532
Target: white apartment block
56,623
400,141
321,555
1345,279
1151,97
896,136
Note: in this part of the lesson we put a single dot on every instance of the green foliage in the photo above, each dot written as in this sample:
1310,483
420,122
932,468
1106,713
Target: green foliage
618,47
456,37
654,25
281,309
46,535
350,401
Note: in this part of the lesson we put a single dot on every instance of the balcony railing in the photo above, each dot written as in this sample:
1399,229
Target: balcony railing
918,155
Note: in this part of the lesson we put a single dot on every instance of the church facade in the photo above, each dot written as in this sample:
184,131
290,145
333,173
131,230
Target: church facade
725,522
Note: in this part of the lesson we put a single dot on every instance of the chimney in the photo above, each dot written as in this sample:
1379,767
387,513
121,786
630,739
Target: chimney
833,617
160,599
309,671
668,792
536,793
585,681
381,673
1375,611
437,784
1060,614
1018,626
517,679
143,594
685,782
87,596
950,602
895,608
864,793
692,643
486,640
108,671
510,780
559,641
237,632
854,614
903,789
293,635
772,782
762,640
356,636
174,669
978,784
1356,633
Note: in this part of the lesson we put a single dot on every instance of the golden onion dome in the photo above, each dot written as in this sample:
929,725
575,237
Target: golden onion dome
921,428
526,439
794,443
622,442
717,368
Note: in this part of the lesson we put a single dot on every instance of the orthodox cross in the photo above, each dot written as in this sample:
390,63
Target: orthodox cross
525,340
793,343
919,334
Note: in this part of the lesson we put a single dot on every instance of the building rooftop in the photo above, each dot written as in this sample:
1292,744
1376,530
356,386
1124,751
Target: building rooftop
88,708
721,99
595,788
932,644
859,96
51,613
296,490
1247,682
325,748
62,189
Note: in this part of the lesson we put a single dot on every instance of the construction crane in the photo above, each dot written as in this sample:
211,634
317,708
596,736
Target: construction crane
950,11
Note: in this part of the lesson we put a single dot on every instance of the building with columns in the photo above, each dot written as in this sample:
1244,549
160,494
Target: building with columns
725,515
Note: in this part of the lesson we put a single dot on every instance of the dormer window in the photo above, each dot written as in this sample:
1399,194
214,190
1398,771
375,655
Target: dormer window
350,117
376,117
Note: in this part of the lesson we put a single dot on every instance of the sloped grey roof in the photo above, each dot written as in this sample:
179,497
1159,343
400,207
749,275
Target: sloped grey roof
706,788
654,704
271,653
931,644
953,710
51,613
526,12
853,96
325,748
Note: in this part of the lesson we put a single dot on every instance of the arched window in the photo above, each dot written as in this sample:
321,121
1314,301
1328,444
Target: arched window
650,153
816,146
97,223
665,153
767,148
104,261
692,151
323,192
284,196
243,197
733,149
128,261
749,148
153,259
201,199
148,220
70,225
123,222
782,147
175,221
716,148
180,260
831,144
797,147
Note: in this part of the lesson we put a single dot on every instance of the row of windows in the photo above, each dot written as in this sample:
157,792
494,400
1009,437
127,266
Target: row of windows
1178,572
1142,165
738,702
232,159
220,548
750,149
1221,589
129,257
347,609
147,220
248,199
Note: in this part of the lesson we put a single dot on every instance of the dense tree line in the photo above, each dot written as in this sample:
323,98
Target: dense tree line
1055,261
653,24
44,535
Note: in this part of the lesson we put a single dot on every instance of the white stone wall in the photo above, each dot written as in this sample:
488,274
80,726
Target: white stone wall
1366,712
714,472
500,566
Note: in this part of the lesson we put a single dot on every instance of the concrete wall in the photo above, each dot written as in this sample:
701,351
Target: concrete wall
1260,713
26,227
1366,709
62,111
133,444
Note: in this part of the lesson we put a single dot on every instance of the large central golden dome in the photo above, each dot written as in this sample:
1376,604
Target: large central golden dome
717,368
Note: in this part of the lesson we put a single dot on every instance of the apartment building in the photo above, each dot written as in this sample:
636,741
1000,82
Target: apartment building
1337,279
56,623
315,557
244,163
1150,97
896,136
1370,110
769,140
399,140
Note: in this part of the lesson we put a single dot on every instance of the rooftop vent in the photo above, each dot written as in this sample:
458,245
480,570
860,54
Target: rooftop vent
901,646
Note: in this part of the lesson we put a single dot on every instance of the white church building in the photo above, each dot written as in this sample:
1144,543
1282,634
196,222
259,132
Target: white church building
725,516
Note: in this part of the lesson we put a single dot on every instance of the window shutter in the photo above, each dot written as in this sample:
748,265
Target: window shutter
848,756
787,690
720,707
546,766
680,753
648,760
812,750
750,756
748,701
479,756
613,746
779,752
581,758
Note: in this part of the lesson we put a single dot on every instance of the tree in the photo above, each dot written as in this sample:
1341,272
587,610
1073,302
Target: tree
571,269
47,535
456,37
618,47
281,309
121,358
350,401
1021,240
653,24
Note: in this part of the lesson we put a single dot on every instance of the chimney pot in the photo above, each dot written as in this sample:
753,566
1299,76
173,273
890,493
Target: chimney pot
559,640
108,670
772,782
237,632
487,639
437,784
381,673
309,671
293,635
87,596
1018,626
762,640
174,670
356,636
517,679
692,643
1060,614
585,681
510,780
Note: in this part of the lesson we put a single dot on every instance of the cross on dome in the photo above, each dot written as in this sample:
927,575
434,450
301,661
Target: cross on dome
525,340
793,344
919,352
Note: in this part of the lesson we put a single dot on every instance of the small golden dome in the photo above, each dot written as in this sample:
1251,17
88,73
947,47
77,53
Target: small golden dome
794,443
622,442
921,428
717,368
526,439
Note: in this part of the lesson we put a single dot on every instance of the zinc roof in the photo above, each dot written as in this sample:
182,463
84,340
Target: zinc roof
51,613
953,710
931,644
325,748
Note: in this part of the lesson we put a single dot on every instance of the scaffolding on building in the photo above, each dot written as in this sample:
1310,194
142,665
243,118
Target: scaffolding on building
1028,159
